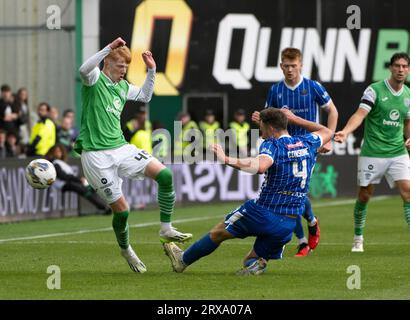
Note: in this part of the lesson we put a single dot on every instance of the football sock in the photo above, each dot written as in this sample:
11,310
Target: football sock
360,211
308,213
302,240
299,228
166,194
120,226
407,212
199,249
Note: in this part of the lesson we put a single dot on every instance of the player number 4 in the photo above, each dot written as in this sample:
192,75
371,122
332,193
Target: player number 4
300,173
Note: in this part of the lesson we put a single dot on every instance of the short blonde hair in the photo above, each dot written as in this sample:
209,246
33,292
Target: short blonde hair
120,52
291,54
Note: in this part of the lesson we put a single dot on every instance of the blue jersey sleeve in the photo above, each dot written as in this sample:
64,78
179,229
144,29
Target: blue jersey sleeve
313,140
267,148
271,99
321,96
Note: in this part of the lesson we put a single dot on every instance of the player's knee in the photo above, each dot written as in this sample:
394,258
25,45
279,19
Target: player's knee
365,194
164,177
217,234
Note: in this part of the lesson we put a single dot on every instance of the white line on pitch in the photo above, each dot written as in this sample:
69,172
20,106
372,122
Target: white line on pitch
148,224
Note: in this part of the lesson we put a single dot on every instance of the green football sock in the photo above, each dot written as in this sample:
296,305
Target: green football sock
406,206
166,194
360,211
120,226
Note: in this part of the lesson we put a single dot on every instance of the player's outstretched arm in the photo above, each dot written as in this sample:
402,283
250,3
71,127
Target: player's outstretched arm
332,117
352,124
251,165
144,94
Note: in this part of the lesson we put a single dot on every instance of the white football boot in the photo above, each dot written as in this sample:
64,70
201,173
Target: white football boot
357,244
134,262
172,235
174,254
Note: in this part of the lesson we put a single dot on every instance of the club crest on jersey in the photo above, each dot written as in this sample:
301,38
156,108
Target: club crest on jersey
394,115
280,96
117,103
304,92
298,144
407,102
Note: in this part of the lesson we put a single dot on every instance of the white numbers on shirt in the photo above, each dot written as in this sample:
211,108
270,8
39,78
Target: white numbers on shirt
300,173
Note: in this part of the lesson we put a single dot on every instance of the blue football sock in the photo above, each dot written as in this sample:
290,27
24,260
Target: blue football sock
299,228
308,213
199,249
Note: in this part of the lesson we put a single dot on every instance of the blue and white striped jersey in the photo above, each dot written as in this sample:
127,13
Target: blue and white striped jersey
287,180
303,100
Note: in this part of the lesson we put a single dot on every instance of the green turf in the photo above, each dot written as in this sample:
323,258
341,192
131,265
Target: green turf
92,268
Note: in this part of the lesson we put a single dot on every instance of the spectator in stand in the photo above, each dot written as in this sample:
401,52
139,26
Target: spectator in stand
65,135
139,130
208,126
3,152
68,181
54,116
70,113
21,107
13,149
241,129
7,116
43,133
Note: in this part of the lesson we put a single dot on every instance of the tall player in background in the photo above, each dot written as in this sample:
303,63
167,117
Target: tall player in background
288,163
385,107
305,98
105,154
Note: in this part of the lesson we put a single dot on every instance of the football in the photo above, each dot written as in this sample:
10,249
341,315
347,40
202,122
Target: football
40,173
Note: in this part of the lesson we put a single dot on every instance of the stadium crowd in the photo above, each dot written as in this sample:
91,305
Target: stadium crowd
32,133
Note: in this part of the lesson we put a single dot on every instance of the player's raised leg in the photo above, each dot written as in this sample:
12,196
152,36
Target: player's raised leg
121,227
166,201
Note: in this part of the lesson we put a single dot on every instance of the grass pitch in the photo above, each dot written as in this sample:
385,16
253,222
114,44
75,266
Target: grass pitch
91,267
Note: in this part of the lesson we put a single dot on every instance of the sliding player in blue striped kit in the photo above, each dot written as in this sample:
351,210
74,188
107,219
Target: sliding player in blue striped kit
305,98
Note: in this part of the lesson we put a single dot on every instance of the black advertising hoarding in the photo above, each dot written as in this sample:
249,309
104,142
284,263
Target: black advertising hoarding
232,46
196,183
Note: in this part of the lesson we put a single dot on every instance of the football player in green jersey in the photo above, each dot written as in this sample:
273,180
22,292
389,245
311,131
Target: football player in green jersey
105,154
385,107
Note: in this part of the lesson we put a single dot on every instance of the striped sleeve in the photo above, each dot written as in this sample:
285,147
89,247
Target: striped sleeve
321,96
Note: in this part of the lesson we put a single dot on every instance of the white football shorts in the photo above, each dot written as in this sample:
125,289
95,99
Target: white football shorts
371,170
104,169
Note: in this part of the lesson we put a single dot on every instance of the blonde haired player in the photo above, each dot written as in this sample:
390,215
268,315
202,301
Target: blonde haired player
105,154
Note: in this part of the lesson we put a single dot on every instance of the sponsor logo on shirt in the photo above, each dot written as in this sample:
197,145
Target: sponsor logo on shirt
394,116
298,144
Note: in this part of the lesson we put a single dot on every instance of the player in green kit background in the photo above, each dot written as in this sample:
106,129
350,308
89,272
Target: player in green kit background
385,106
105,154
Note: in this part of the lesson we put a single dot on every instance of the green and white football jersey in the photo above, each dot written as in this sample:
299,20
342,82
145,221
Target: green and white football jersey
383,128
102,105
